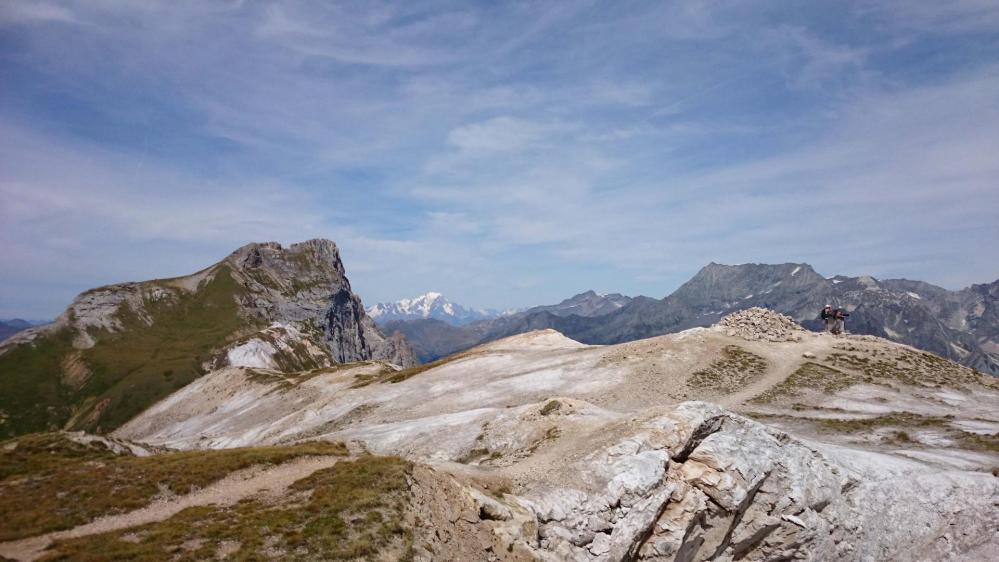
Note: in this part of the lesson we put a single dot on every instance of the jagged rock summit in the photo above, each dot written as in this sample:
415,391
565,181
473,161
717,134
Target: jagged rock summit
306,284
119,348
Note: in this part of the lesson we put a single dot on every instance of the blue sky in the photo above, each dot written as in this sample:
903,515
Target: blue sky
505,154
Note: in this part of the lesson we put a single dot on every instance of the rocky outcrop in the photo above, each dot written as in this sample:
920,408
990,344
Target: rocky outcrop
305,284
395,348
280,347
701,483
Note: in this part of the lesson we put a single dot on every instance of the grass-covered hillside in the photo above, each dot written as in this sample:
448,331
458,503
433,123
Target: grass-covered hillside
350,508
118,349
158,346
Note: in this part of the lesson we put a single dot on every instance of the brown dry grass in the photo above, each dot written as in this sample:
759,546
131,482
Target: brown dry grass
736,368
49,483
808,376
353,511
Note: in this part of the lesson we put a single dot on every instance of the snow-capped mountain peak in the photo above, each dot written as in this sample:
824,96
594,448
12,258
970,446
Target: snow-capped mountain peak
430,305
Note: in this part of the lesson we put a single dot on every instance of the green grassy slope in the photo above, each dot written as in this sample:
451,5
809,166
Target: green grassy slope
49,483
128,370
353,511
32,396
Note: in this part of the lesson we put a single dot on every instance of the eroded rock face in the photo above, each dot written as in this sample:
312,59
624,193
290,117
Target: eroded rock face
306,283
700,483
394,348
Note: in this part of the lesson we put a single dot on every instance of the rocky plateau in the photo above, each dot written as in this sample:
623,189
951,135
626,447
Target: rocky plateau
766,442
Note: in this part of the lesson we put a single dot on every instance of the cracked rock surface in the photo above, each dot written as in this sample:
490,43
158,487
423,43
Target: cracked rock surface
701,483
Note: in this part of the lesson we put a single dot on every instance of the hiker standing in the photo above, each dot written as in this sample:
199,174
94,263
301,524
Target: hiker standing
828,317
839,321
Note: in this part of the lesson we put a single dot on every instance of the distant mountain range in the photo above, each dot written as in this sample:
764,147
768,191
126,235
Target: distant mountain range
429,306
433,337
10,327
959,325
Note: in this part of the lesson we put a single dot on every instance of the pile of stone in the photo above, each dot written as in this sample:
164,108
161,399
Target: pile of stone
761,324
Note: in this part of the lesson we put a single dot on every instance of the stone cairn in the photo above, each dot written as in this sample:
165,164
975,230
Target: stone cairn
761,324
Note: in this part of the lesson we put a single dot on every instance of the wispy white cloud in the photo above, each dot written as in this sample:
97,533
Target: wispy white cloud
954,17
502,134
504,154
811,62
34,12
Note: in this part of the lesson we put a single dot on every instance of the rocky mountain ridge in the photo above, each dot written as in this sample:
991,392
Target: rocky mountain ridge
10,327
586,304
119,348
432,339
960,325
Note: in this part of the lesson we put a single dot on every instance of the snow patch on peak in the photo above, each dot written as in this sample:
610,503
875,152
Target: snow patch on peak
431,305
796,270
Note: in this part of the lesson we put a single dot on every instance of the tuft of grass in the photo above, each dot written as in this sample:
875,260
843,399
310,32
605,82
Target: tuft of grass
901,437
41,453
551,407
979,442
908,420
477,454
288,380
49,483
355,510
735,369
551,434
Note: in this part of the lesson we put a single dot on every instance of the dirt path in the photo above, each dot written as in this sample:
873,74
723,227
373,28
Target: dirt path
236,486
786,359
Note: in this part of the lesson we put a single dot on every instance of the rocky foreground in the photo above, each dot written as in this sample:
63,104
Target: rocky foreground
752,440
